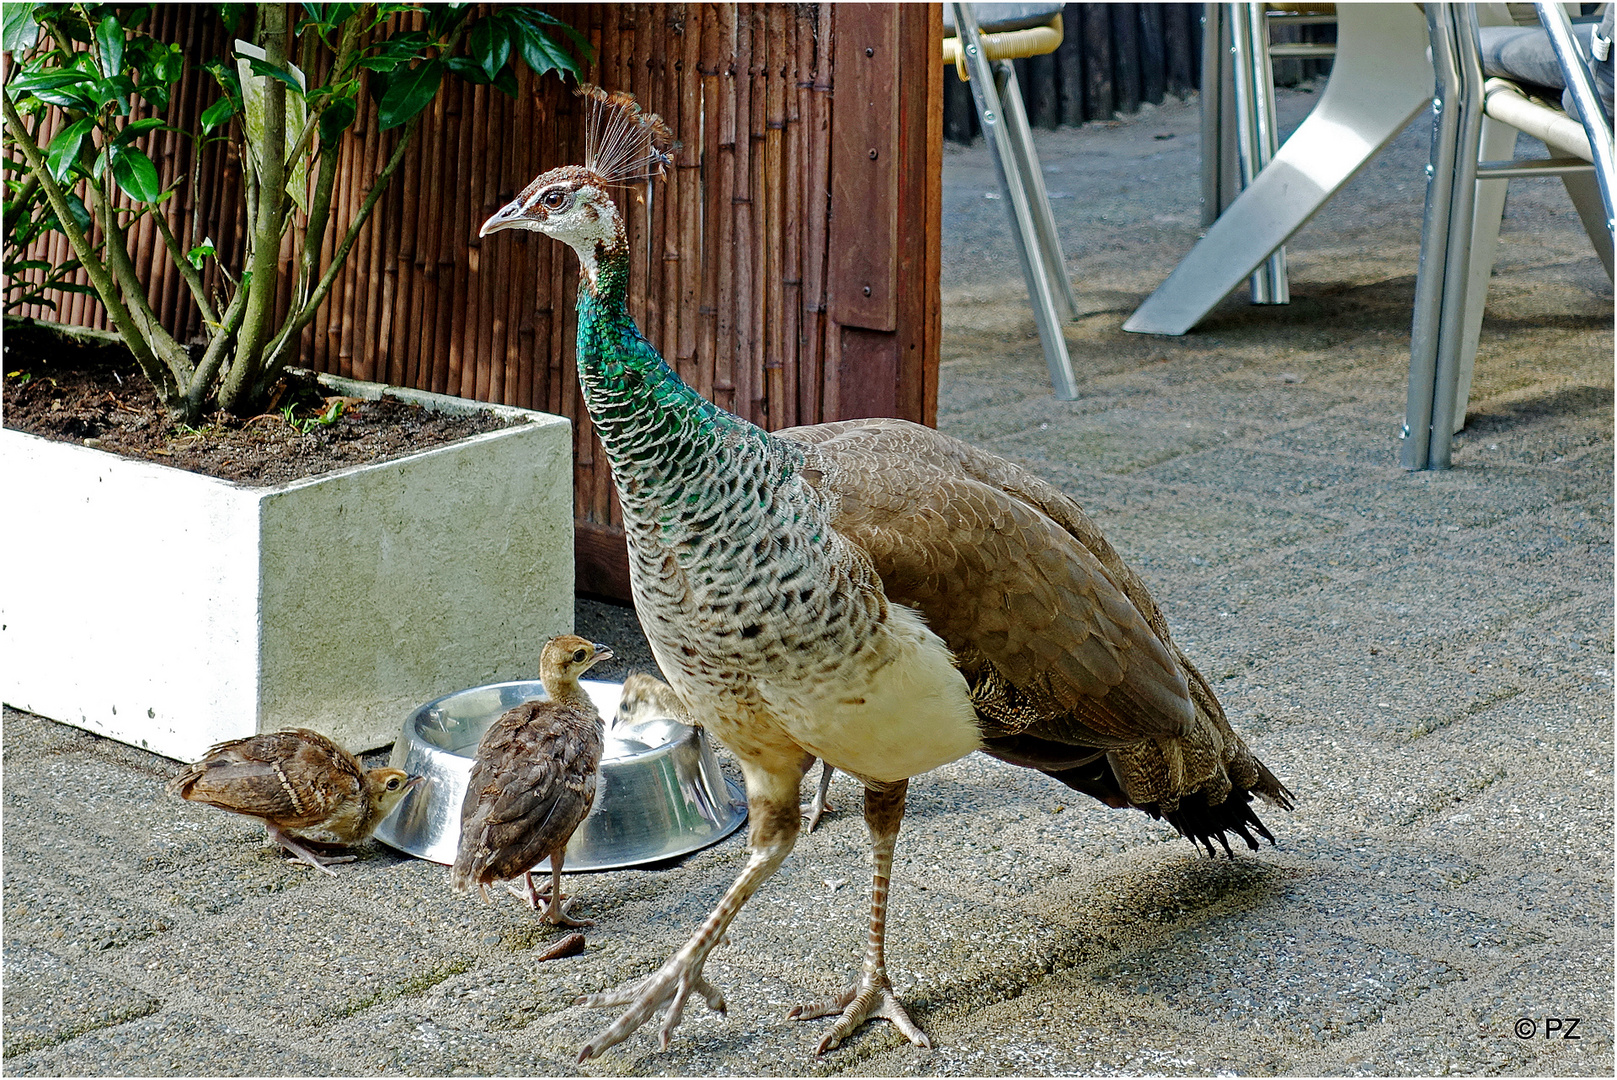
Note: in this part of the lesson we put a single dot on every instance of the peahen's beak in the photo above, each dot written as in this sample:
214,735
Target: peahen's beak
507,216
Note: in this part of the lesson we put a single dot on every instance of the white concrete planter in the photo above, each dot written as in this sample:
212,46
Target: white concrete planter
172,610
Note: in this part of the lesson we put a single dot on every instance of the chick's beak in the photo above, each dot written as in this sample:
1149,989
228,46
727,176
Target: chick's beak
504,219
602,652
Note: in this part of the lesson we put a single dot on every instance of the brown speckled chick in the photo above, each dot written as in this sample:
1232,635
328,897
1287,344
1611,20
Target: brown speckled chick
534,781
301,785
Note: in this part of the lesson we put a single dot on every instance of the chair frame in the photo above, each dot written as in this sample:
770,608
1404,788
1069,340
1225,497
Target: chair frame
998,98
1464,201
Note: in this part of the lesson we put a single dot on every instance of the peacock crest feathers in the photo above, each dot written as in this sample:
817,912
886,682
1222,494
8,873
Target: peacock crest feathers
622,142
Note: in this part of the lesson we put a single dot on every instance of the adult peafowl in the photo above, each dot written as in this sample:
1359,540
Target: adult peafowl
868,592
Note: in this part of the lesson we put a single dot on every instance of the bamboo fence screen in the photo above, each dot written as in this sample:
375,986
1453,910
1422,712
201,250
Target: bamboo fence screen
745,276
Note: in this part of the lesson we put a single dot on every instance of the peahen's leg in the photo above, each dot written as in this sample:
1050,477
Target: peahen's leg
815,810
773,824
872,996
555,914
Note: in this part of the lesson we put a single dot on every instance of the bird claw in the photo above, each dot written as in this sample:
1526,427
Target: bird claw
670,985
872,999
812,812
559,917
532,896
301,857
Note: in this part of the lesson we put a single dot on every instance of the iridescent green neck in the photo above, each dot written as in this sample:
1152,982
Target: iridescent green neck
659,434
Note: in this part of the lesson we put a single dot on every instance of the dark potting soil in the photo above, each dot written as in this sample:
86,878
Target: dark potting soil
97,396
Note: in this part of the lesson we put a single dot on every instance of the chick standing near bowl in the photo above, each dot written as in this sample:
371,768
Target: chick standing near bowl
534,781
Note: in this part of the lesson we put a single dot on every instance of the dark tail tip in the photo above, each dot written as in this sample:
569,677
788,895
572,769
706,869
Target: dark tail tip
1203,824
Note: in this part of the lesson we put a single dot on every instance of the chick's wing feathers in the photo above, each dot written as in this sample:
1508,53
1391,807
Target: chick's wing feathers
534,781
296,778
1046,632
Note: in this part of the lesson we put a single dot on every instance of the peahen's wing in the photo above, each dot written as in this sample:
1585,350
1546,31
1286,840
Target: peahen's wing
1058,640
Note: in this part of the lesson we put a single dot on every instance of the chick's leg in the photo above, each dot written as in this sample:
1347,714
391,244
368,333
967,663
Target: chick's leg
528,891
872,996
773,824
815,810
555,913
303,853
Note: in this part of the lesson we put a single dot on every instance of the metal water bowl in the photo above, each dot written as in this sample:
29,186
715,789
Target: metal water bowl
661,792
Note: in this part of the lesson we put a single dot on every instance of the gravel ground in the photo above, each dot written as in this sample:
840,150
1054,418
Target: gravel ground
1426,659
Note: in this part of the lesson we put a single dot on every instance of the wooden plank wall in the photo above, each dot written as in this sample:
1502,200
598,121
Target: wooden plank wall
757,271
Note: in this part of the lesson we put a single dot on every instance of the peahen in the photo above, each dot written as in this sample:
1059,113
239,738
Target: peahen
868,592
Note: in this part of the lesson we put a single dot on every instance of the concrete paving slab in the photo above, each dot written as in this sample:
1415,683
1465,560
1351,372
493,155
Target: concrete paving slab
51,1000
178,1043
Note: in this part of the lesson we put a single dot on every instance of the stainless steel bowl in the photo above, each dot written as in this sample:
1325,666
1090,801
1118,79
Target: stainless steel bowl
661,792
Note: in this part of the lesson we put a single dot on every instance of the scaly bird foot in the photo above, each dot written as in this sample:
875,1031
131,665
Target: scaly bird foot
813,811
303,855
872,999
557,914
670,985
532,894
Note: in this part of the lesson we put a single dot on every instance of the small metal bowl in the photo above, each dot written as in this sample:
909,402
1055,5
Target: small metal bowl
661,792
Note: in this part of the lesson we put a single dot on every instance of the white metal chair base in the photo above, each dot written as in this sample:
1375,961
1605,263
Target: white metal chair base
1380,80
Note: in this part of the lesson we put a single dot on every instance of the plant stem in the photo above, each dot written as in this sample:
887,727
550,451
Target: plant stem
155,370
193,280
279,353
303,309
224,335
236,393
314,233
116,244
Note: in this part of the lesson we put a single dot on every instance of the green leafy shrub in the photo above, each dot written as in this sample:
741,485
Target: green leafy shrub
96,67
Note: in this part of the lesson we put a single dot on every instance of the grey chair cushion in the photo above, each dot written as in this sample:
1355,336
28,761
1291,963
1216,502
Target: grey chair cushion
1523,54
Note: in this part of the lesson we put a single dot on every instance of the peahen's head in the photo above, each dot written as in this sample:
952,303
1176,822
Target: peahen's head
623,144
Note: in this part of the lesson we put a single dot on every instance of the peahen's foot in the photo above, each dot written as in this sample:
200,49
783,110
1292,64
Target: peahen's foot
669,985
872,999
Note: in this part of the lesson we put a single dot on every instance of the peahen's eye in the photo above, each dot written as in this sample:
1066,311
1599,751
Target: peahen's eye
580,656
554,199
393,783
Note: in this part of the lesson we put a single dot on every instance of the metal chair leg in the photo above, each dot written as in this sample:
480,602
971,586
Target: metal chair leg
1441,284
1045,238
1584,191
1008,163
1380,81
1591,110
1257,136
1221,169
1497,141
